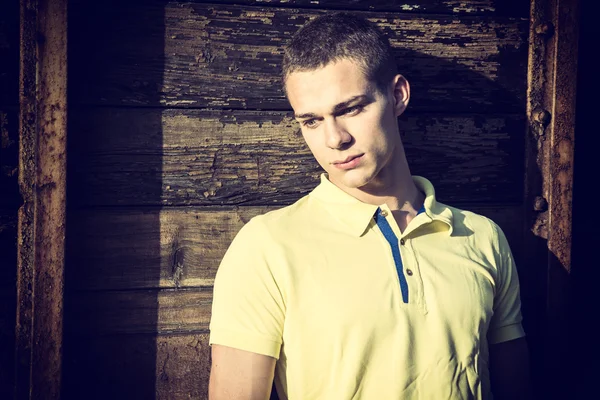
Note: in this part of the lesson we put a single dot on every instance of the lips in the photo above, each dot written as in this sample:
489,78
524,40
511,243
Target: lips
349,162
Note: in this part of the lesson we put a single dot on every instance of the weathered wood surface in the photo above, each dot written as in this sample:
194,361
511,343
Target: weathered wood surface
138,311
112,249
137,367
192,157
42,182
9,52
225,56
514,8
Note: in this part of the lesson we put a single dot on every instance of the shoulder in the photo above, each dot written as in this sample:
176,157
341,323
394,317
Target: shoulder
276,224
483,234
467,222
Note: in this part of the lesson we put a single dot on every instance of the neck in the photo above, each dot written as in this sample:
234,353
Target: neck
394,187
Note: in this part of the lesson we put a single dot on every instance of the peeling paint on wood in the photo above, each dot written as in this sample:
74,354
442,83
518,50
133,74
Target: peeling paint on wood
220,56
175,157
514,8
42,171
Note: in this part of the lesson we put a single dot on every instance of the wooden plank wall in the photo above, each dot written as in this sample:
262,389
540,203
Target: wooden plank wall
179,133
9,190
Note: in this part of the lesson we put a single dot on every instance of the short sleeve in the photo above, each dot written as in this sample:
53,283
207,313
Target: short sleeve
248,308
506,320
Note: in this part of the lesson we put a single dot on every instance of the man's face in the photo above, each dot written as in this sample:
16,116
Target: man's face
349,125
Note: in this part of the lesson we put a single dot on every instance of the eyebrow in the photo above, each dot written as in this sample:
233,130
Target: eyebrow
337,108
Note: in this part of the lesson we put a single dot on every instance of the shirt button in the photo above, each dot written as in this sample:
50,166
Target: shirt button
409,272
384,213
402,242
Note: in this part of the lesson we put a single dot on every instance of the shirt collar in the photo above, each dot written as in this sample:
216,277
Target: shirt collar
358,216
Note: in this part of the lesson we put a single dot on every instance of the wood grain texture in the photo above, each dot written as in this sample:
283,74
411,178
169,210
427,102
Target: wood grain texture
225,56
514,8
111,263
118,249
191,157
138,311
150,248
42,182
137,367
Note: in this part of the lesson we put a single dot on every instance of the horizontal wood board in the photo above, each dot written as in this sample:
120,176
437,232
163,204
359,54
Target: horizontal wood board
109,269
511,8
227,56
120,249
194,157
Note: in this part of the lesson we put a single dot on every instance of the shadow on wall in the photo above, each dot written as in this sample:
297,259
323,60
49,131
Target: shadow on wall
128,158
111,305
10,200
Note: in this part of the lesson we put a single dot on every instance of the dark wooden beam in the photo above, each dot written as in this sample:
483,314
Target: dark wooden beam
42,181
552,80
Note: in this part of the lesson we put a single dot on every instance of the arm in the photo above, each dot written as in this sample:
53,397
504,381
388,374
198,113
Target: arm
509,370
508,352
239,374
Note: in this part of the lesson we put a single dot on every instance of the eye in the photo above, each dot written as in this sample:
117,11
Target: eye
353,110
310,123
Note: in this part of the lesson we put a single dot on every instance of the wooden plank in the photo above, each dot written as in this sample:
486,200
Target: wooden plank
148,248
119,258
192,157
222,56
513,8
9,52
138,311
118,249
547,287
137,367
42,172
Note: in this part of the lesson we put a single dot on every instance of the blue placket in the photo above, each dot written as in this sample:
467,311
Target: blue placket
392,240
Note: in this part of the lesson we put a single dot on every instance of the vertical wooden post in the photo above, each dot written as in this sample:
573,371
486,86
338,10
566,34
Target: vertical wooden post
42,181
552,83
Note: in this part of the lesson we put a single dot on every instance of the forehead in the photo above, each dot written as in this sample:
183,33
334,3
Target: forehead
321,89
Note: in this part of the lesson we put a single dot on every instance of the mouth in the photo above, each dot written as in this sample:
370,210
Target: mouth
349,162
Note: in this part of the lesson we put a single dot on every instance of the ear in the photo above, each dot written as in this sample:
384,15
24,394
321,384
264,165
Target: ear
401,93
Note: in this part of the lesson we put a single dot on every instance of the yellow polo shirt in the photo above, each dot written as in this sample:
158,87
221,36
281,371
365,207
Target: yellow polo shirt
353,308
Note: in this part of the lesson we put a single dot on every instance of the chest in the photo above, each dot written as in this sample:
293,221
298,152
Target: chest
441,285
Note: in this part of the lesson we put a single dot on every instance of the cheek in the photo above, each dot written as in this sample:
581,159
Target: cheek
315,147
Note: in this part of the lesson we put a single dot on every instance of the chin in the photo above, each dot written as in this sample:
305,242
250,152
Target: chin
355,179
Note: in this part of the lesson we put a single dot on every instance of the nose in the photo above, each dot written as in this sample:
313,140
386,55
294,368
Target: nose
336,134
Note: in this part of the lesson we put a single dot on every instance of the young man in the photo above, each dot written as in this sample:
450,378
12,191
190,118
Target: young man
367,288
